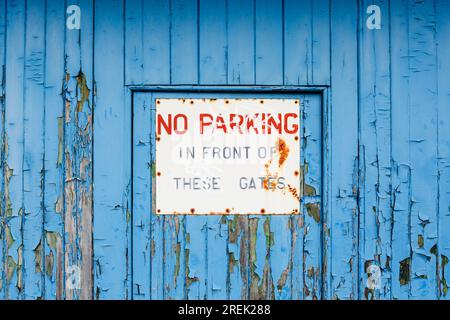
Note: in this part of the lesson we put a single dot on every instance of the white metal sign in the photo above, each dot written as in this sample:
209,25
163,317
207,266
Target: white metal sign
227,156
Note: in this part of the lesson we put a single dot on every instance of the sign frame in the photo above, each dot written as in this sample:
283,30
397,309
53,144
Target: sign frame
279,191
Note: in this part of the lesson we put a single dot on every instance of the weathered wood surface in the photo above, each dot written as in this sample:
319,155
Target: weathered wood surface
76,180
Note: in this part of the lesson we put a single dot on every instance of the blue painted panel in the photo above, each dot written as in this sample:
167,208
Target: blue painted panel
13,166
401,169
423,150
343,250
2,153
33,150
443,47
54,146
240,50
112,166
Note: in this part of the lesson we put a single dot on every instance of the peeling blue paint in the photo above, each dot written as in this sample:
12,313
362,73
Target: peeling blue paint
77,148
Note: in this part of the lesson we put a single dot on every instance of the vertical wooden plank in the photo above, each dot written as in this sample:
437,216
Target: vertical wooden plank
174,258
240,39
184,42
156,41
134,51
296,274
275,231
147,44
33,150
443,47
311,204
213,66
238,254
344,166
298,43
169,234
53,154
111,164
401,137
13,167
423,126
213,46
142,196
320,42
2,147
241,63
185,70
84,155
78,156
375,155
272,234
160,257
307,42
269,37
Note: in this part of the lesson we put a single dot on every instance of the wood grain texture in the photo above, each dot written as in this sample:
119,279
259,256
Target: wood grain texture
143,228
112,166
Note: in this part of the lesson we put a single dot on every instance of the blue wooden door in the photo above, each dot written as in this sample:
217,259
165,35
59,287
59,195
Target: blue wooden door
226,257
